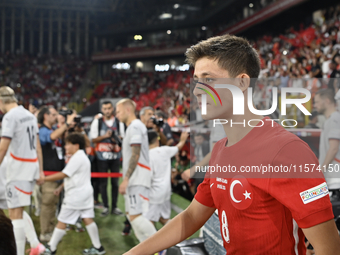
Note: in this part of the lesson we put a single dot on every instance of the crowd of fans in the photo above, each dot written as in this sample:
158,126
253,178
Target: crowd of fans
43,79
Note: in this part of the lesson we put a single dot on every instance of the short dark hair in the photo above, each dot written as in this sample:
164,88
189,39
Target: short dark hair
152,136
76,138
7,240
327,93
107,102
43,110
233,53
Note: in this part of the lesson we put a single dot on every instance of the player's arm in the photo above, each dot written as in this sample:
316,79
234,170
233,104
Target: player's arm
55,177
176,230
331,153
182,140
4,144
136,148
324,237
40,160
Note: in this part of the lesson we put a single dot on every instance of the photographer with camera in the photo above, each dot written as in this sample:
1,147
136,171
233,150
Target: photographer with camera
147,116
165,128
53,158
104,134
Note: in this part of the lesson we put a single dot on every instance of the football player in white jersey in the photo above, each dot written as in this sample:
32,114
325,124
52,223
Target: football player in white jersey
136,170
160,162
20,139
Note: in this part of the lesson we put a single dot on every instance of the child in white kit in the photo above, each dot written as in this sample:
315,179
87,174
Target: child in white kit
78,201
160,191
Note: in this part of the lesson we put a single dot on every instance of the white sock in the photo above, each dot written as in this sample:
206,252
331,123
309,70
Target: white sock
143,228
30,233
92,229
19,234
56,238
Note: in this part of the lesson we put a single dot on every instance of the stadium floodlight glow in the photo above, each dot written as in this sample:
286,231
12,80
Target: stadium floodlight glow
162,68
139,64
251,5
176,6
165,16
184,67
120,66
168,32
284,52
138,37
204,28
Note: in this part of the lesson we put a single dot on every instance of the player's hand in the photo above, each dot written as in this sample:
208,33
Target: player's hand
58,190
123,186
186,175
41,179
184,136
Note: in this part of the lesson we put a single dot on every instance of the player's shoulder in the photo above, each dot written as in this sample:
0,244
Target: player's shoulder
138,124
335,117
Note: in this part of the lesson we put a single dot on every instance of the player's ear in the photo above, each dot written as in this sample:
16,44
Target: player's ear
243,81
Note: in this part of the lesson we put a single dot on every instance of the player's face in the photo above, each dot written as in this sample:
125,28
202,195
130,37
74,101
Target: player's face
107,110
121,113
2,107
208,72
319,104
70,148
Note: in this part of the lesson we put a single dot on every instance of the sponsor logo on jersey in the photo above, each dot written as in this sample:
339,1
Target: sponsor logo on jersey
314,193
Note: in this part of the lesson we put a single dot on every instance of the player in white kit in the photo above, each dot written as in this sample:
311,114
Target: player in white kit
160,162
78,200
20,141
136,170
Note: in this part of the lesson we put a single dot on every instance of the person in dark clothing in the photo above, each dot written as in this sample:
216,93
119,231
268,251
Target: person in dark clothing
107,153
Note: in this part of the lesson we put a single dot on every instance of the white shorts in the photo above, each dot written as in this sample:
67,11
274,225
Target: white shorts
70,216
136,200
3,204
18,193
156,211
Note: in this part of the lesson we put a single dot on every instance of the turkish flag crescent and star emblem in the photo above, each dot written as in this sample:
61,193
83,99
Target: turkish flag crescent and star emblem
241,193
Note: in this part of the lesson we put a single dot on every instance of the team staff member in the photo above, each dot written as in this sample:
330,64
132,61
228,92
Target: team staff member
330,136
257,215
50,139
108,154
20,138
136,170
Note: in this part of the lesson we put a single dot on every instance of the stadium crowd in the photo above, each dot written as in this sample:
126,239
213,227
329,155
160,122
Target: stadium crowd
40,80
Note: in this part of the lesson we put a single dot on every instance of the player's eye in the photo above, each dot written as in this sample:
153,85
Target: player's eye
209,80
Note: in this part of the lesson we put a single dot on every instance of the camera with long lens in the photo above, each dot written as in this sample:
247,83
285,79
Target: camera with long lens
65,112
157,122
115,136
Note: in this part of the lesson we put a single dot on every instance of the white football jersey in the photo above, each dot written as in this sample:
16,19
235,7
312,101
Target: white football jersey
21,127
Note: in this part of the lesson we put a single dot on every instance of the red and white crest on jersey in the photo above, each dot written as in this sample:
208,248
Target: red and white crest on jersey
241,194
